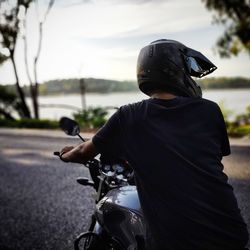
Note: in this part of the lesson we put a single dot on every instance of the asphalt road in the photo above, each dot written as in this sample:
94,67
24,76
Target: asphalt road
42,206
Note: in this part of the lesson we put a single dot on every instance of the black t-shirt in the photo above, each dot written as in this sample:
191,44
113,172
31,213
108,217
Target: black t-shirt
175,148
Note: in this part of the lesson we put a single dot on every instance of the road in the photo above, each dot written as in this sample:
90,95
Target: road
42,206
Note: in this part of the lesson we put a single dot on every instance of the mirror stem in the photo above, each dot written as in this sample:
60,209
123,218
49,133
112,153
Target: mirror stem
80,137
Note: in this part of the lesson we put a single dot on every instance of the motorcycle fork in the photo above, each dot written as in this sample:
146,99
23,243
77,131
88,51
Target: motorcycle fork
86,234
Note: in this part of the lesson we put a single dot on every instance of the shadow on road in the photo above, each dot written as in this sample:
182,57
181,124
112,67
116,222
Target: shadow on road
42,207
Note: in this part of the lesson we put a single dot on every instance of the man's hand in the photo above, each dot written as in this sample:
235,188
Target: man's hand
65,150
79,154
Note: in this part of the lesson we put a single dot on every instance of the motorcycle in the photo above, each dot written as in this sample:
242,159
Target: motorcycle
117,222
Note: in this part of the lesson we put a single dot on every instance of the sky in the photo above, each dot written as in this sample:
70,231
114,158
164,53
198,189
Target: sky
102,38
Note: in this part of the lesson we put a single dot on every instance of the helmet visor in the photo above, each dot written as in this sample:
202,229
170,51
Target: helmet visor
197,64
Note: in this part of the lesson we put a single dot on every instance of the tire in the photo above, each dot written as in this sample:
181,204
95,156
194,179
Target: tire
92,242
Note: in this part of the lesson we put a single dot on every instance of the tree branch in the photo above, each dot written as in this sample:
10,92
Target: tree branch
35,88
26,48
6,114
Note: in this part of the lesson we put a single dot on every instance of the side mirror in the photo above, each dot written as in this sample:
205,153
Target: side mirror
69,126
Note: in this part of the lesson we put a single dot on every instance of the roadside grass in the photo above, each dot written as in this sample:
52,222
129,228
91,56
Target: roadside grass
29,123
239,131
92,119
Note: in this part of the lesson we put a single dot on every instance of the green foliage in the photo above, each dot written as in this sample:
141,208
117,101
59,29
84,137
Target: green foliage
226,113
241,130
71,86
235,16
8,102
8,123
91,118
10,24
3,58
243,119
37,123
7,97
92,85
29,123
241,125
224,82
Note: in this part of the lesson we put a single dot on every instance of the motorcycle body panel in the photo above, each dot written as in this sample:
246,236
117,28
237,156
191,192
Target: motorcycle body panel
119,212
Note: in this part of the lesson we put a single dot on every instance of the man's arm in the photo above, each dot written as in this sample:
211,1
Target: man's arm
79,154
108,140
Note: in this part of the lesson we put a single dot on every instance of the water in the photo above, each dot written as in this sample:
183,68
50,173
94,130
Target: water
233,100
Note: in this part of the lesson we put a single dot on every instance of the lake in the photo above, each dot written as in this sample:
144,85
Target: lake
235,100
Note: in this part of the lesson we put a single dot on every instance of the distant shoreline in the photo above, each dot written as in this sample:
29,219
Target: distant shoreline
136,91
104,86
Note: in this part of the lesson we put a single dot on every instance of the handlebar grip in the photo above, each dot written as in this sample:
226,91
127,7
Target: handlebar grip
57,153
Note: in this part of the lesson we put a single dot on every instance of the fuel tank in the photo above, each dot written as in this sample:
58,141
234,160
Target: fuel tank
119,213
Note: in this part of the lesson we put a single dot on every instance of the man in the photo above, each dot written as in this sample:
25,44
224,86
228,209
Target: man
174,141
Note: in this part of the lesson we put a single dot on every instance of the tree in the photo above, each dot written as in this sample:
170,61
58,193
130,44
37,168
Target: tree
8,102
34,83
9,29
235,15
93,117
13,20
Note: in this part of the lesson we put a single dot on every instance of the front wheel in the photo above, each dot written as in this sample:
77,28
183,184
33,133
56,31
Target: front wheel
92,241
88,241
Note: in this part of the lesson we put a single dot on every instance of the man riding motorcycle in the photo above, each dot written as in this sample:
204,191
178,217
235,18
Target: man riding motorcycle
174,141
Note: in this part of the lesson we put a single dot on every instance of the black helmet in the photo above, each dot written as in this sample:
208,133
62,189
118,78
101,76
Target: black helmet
168,65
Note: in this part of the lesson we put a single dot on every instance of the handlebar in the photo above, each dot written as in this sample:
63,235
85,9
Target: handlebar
57,153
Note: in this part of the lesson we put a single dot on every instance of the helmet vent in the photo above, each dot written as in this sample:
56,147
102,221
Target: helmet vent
151,51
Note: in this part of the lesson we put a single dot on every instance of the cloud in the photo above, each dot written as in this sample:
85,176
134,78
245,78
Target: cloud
72,3
104,19
105,36
67,3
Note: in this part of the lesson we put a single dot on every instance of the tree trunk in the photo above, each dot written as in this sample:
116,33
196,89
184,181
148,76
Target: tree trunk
6,115
24,107
35,102
35,87
34,97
